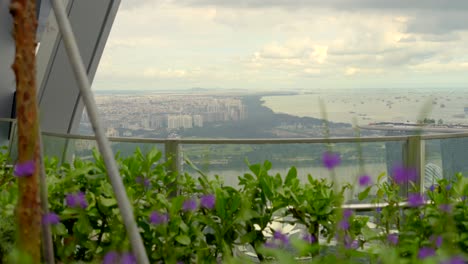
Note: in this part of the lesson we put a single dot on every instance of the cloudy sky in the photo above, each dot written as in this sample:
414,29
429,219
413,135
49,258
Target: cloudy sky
286,44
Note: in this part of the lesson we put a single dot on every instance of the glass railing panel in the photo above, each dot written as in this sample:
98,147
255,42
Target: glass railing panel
454,158
228,160
433,162
65,149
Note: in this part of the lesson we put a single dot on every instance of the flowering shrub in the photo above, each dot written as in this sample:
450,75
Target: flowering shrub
187,219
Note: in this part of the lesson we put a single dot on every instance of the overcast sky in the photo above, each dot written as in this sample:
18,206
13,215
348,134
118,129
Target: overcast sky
286,44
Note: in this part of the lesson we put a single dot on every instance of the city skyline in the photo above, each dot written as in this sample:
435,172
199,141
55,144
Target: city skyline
274,44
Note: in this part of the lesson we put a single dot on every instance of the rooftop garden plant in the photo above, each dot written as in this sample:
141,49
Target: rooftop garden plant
197,219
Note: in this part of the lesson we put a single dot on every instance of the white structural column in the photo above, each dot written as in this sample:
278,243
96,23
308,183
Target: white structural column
103,143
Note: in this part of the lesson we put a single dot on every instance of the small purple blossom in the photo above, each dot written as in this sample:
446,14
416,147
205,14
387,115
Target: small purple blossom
365,180
349,243
81,197
330,160
402,174
415,200
143,181
448,187
157,218
426,252
347,213
432,188
24,169
128,258
446,208
378,210
189,205
454,260
437,240
71,200
207,201
309,238
270,244
277,235
76,200
50,219
392,239
344,224
111,257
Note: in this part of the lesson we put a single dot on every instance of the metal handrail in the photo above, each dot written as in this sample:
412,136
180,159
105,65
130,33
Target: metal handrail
255,140
236,140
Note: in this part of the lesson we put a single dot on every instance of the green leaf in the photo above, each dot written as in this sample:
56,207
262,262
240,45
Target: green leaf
292,174
107,202
267,165
220,204
83,226
363,195
381,175
59,229
183,239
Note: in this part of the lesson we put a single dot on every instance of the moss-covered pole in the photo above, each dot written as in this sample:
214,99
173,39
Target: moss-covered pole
28,209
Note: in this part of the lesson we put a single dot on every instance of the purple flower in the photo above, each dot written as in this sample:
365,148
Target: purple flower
277,235
392,239
128,258
71,200
446,208
347,213
454,260
81,198
378,209
189,205
76,200
269,244
24,169
309,238
330,160
143,181
437,240
432,188
147,183
426,252
349,243
207,201
157,218
415,200
403,174
344,224
111,257
50,219
448,187
365,180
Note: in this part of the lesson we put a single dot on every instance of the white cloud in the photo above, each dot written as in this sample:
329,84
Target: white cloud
163,44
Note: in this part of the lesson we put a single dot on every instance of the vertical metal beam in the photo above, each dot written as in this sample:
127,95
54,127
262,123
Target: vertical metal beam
415,158
81,77
172,149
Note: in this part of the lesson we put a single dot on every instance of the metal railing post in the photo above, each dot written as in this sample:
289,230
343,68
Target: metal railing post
172,149
415,158
126,210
